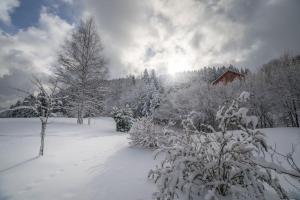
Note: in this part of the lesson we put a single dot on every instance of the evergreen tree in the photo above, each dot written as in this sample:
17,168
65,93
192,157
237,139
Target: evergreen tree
123,118
146,77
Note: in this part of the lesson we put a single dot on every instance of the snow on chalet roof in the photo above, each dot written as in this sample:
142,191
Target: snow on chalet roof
227,71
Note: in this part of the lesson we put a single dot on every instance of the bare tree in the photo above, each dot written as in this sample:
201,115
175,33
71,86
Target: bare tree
46,102
82,68
282,79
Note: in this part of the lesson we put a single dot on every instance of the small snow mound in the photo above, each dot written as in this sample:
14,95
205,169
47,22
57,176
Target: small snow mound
244,96
210,195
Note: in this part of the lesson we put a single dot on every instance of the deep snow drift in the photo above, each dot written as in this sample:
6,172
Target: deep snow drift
83,162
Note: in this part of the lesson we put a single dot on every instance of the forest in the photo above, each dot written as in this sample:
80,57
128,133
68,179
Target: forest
274,90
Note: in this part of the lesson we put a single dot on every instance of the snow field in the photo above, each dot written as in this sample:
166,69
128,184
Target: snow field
86,162
80,162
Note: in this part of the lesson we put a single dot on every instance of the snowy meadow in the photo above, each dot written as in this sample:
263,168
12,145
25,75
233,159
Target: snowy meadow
86,162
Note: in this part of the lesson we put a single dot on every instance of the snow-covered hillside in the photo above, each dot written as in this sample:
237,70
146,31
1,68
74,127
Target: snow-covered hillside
83,162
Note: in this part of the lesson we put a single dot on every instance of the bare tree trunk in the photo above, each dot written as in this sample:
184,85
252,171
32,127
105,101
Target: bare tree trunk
79,115
89,120
80,108
80,119
44,124
296,114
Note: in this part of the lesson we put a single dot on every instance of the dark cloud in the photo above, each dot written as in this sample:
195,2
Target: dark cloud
241,11
149,53
278,29
274,28
10,84
139,34
117,17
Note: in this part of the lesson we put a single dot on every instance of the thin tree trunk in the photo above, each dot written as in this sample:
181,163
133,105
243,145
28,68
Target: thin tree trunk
44,124
79,116
80,109
296,114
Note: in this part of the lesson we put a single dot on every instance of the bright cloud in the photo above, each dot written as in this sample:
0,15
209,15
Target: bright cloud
183,35
29,52
6,8
35,48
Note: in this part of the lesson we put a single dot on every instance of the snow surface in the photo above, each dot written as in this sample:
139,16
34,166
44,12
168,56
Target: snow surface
284,138
80,162
84,162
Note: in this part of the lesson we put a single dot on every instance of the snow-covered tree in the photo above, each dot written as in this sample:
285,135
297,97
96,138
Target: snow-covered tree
262,102
82,68
148,96
143,94
218,162
154,79
123,118
22,112
286,88
146,76
145,132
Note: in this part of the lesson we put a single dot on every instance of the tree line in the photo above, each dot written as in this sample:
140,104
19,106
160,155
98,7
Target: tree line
81,76
274,87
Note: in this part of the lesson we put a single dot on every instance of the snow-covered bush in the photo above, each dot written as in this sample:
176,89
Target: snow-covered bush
123,118
144,133
219,162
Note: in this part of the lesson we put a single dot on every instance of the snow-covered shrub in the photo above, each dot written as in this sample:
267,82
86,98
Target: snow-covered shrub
218,163
123,118
144,133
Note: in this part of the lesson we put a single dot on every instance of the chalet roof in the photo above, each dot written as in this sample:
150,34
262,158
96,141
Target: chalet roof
227,71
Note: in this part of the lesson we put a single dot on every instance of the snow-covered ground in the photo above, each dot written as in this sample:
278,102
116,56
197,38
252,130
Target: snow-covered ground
80,162
83,162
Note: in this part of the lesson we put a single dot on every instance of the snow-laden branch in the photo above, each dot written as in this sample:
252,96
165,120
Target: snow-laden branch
277,168
199,162
19,108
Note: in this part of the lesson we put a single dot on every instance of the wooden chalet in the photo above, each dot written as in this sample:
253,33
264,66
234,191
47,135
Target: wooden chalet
228,77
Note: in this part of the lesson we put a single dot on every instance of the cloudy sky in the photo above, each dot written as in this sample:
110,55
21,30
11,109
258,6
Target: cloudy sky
168,35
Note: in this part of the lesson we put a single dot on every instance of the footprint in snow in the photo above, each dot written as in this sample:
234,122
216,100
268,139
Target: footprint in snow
38,180
27,188
68,195
52,175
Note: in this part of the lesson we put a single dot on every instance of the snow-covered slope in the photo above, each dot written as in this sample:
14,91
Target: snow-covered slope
83,162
